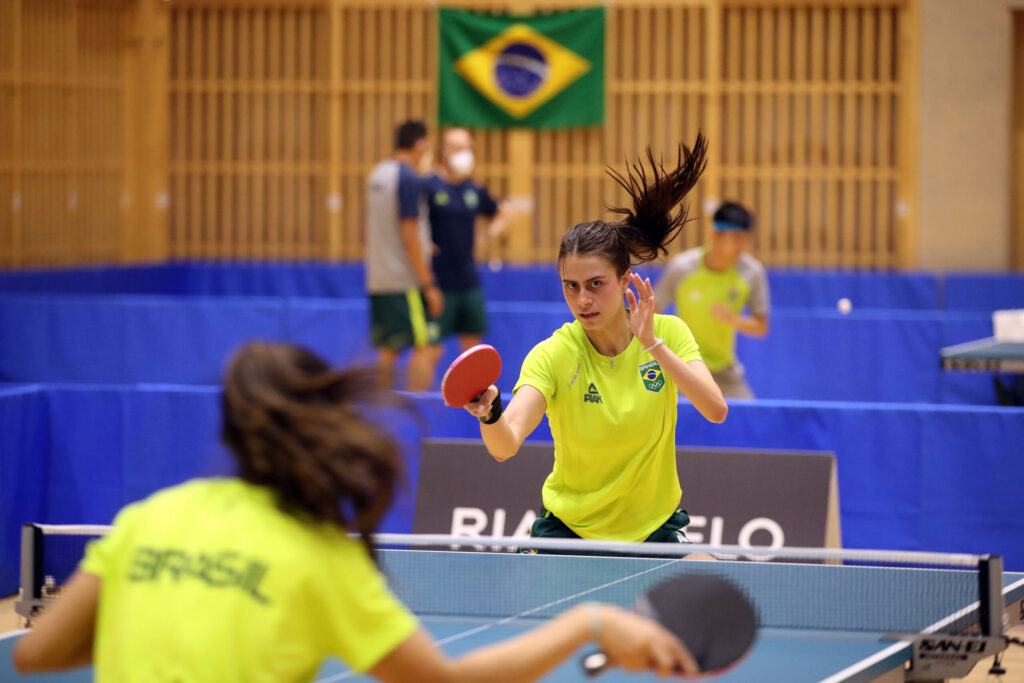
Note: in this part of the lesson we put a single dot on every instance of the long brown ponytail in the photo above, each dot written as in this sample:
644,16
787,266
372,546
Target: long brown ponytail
297,427
650,224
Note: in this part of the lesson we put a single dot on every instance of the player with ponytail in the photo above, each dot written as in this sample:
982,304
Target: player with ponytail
608,381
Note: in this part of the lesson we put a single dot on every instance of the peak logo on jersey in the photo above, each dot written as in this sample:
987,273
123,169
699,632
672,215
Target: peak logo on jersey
652,376
501,71
592,395
441,198
471,199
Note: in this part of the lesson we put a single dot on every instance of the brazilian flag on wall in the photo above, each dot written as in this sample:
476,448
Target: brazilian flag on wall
532,71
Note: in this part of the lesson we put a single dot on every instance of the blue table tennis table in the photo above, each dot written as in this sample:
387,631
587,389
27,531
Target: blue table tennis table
818,622
985,355
993,356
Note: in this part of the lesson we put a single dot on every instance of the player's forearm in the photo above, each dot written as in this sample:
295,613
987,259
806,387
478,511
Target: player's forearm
498,225
414,248
526,657
500,438
62,637
695,382
520,417
752,326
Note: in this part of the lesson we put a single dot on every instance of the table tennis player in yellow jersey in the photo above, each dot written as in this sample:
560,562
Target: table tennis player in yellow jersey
608,381
255,577
710,286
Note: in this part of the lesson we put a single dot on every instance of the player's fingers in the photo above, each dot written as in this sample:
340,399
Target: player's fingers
490,396
662,660
634,661
630,298
482,405
685,662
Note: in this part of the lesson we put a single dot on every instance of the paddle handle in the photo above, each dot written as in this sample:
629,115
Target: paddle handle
595,663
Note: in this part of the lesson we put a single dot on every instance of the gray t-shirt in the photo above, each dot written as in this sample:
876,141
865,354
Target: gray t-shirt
691,261
392,194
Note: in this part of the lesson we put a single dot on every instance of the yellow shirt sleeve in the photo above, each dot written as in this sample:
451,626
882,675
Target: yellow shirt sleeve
678,337
103,553
538,371
360,618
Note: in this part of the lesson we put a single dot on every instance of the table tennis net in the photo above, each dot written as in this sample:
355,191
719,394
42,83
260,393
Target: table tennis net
825,590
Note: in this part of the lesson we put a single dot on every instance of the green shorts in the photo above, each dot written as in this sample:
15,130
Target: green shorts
549,526
463,312
399,321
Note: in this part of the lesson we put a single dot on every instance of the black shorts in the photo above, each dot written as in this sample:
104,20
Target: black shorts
463,312
549,526
399,321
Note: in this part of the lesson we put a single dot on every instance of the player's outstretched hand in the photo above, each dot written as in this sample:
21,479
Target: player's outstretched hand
641,309
482,406
636,643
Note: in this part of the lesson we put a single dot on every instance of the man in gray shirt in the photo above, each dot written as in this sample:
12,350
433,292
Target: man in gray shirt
404,297
710,286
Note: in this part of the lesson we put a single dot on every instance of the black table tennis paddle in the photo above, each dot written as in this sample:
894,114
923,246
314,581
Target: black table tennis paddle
712,617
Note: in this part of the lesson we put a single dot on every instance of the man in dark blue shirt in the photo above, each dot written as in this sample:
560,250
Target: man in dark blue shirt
454,202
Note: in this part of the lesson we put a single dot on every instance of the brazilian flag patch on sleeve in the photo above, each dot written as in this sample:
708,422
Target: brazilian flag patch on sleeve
652,376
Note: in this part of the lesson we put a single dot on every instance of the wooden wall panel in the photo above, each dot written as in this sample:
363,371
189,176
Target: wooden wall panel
249,96
274,112
61,164
1017,173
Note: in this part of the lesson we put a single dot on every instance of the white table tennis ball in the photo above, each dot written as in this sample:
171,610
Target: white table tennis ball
844,305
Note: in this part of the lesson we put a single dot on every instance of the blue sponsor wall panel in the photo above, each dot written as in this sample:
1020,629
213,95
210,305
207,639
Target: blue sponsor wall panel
982,291
910,477
790,288
813,354
130,339
24,444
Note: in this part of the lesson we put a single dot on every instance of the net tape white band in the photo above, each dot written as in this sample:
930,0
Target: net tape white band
648,549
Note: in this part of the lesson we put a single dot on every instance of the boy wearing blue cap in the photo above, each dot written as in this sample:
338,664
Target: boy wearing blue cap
710,287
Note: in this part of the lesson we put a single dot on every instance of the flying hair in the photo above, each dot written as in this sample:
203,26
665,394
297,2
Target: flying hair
652,220
650,223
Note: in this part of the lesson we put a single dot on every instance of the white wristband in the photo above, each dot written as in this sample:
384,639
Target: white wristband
655,345
594,616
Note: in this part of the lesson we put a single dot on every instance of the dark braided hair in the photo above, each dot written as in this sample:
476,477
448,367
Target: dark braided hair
295,426
649,224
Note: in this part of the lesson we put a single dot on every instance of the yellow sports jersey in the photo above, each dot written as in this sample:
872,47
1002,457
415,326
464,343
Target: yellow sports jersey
614,424
210,581
695,288
694,298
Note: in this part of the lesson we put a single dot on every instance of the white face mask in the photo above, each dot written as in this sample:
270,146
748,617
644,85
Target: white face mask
461,163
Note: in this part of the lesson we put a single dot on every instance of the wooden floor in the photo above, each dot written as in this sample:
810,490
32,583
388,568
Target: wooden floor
1013,658
1013,662
9,621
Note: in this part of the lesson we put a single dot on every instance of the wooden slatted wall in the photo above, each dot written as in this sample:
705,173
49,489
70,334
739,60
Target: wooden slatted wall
1017,182
61,163
277,109
247,120
812,98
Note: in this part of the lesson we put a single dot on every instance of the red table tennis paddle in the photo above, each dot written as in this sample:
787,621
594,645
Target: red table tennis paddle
470,374
712,617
